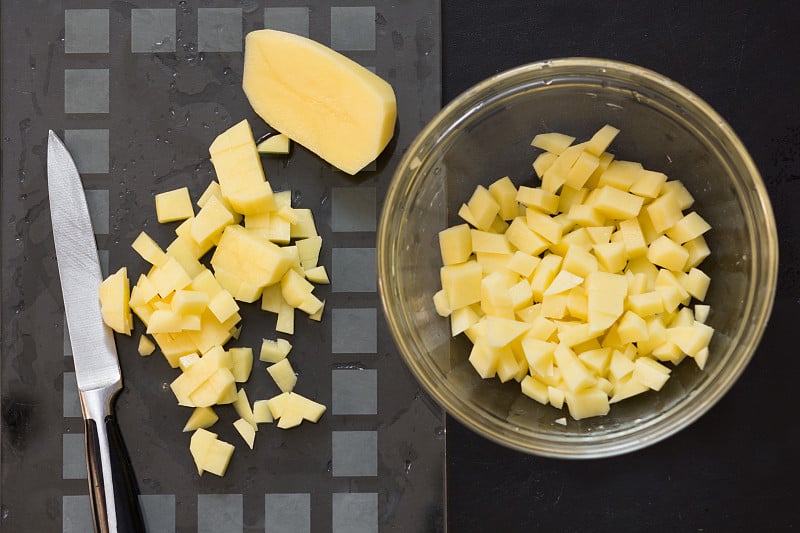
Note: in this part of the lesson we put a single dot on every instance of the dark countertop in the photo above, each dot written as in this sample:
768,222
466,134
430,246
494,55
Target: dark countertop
734,469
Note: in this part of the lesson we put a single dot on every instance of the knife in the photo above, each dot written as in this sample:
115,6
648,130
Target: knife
112,486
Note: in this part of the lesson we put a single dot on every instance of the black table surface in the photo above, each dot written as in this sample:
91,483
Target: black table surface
734,469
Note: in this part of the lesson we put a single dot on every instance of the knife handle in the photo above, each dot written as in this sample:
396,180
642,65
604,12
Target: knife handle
112,486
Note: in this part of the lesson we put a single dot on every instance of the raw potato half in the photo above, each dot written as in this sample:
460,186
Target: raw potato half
319,98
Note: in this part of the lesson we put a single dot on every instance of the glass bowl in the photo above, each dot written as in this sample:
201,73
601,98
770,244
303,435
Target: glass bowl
485,134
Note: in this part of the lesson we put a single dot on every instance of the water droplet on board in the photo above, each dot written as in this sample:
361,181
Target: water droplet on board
439,432
407,467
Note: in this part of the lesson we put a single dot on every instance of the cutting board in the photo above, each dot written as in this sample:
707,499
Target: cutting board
138,92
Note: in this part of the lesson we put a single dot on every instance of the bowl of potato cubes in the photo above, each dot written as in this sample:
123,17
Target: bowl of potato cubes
577,258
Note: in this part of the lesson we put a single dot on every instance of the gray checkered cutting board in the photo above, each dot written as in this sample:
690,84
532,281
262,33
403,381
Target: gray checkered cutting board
138,93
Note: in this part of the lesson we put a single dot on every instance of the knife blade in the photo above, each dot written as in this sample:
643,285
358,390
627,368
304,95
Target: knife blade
112,486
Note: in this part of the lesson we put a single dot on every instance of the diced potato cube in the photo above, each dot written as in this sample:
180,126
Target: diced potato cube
538,198
691,339
646,304
285,322
484,361
578,303
650,373
174,205
255,262
246,431
611,256
617,204
701,358
467,216
501,332
552,142
554,306
586,215
627,388
220,388
462,319
114,293
555,396
698,250
261,412
274,351
505,193
576,376
542,162
149,250
632,236
579,261
462,283
455,244
308,251
600,234
223,306
211,220
543,225
601,140
555,176
494,243
483,207
701,312
664,212
169,277
632,328
649,183
218,457
201,418
164,321
242,363
578,334
581,170
189,302
563,282
243,409
587,403
522,263
305,226
199,446
620,366
146,346
521,295
534,389
521,236
689,227
666,253
283,375
682,196
185,361
277,403
621,175
696,283
276,144
596,360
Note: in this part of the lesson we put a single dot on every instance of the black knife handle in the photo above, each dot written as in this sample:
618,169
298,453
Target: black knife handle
109,465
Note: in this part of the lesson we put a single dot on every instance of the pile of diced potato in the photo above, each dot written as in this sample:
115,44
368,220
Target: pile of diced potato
263,248
579,289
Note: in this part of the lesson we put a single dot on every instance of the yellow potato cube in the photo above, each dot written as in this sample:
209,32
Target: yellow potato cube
186,252
580,262
310,305
149,250
218,457
586,215
563,282
648,183
689,227
554,305
576,376
632,328
274,351
242,363
521,295
578,334
542,162
491,263
587,403
238,167
283,375
164,321
462,283
169,277
277,403
276,144
483,207
174,205
308,251
493,243
305,227
650,373
543,225
682,196
698,250
505,193
701,358
501,332
292,412
578,303
627,388
246,431
596,360
544,274
538,198
210,221
523,263
294,288
534,389
552,142
611,256
261,412
189,302
467,215
199,446
223,306
455,244
205,282
555,396
569,197
213,332
255,262
115,294
601,140
185,361
600,234
539,355
621,175
521,236
143,292
484,361
201,418
146,346
666,253
555,176
691,339
285,322
279,230
620,366
220,388
701,312
646,304
174,346
462,319
318,275
664,212
243,409
581,170
617,204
